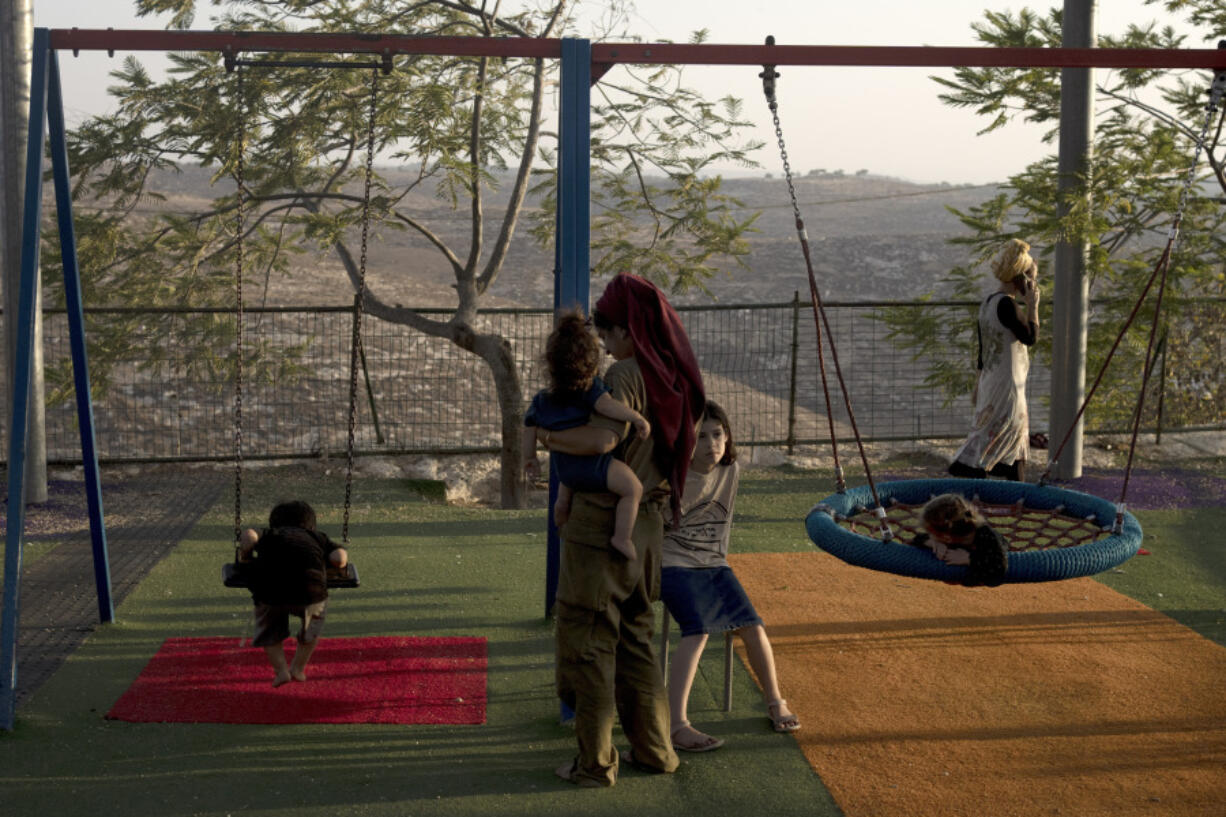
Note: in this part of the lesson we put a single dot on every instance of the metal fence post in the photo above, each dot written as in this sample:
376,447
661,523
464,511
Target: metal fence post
1161,388
370,393
792,383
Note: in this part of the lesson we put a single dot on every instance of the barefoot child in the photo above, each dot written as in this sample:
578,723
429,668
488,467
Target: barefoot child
289,576
572,355
957,534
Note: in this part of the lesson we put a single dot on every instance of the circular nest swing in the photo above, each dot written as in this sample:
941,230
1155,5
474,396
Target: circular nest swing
1053,533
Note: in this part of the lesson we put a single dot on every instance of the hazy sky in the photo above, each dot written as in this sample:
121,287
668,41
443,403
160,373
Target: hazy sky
885,120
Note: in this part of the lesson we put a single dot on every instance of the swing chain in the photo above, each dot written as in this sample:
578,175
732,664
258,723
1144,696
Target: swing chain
769,75
239,218
359,301
768,86
1216,92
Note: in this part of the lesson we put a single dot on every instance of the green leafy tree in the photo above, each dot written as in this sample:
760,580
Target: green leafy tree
1146,131
462,126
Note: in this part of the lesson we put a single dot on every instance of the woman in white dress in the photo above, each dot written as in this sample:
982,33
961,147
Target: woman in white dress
999,442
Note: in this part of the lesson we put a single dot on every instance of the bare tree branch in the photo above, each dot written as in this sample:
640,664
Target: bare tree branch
520,188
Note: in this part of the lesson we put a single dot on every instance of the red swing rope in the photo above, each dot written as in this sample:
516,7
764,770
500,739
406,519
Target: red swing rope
1216,93
1160,273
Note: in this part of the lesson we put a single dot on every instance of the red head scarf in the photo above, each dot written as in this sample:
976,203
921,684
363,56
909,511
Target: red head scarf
670,371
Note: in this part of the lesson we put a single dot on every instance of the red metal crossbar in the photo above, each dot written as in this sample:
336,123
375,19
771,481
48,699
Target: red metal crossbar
657,53
81,39
907,56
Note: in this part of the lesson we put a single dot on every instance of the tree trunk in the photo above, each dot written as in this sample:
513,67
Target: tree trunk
495,350
497,353
16,42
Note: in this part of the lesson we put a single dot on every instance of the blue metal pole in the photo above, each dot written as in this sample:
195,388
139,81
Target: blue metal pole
572,271
22,364
572,284
76,329
572,274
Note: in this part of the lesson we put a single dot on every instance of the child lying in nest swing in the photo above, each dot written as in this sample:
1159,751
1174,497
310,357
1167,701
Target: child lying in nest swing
957,534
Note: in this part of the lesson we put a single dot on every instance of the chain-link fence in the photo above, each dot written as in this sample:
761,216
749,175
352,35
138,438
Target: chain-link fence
160,399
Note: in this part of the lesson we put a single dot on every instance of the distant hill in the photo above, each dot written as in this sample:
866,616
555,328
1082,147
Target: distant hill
870,238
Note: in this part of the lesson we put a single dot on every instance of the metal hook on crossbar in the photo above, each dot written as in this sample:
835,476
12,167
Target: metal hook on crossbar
769,75
231,61
1218,89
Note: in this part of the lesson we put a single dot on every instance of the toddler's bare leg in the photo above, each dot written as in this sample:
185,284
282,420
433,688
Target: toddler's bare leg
276,657
626,485
297,669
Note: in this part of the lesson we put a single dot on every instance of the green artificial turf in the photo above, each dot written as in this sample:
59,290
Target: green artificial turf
1184,574
430,569
427,569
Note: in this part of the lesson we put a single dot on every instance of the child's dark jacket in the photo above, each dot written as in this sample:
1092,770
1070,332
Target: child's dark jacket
291,566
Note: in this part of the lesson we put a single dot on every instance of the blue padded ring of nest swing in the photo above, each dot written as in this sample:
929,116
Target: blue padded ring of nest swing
1054,533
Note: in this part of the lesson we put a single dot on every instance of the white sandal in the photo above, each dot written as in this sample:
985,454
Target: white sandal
781,723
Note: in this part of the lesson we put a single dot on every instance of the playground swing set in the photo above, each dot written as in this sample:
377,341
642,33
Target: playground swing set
236,573
581,64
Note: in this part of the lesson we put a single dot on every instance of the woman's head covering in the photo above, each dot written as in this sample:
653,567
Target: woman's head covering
670,371
1014,260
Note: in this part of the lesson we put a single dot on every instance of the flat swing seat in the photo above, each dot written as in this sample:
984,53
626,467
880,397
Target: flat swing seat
234,574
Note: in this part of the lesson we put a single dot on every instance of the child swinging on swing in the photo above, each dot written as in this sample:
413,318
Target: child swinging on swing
289,576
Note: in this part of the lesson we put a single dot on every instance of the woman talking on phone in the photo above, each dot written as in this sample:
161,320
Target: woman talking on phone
999,442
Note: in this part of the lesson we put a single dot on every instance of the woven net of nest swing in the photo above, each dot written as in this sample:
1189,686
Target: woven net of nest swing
1024,528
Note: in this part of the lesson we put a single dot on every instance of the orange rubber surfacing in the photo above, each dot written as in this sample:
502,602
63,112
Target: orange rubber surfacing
1058,698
